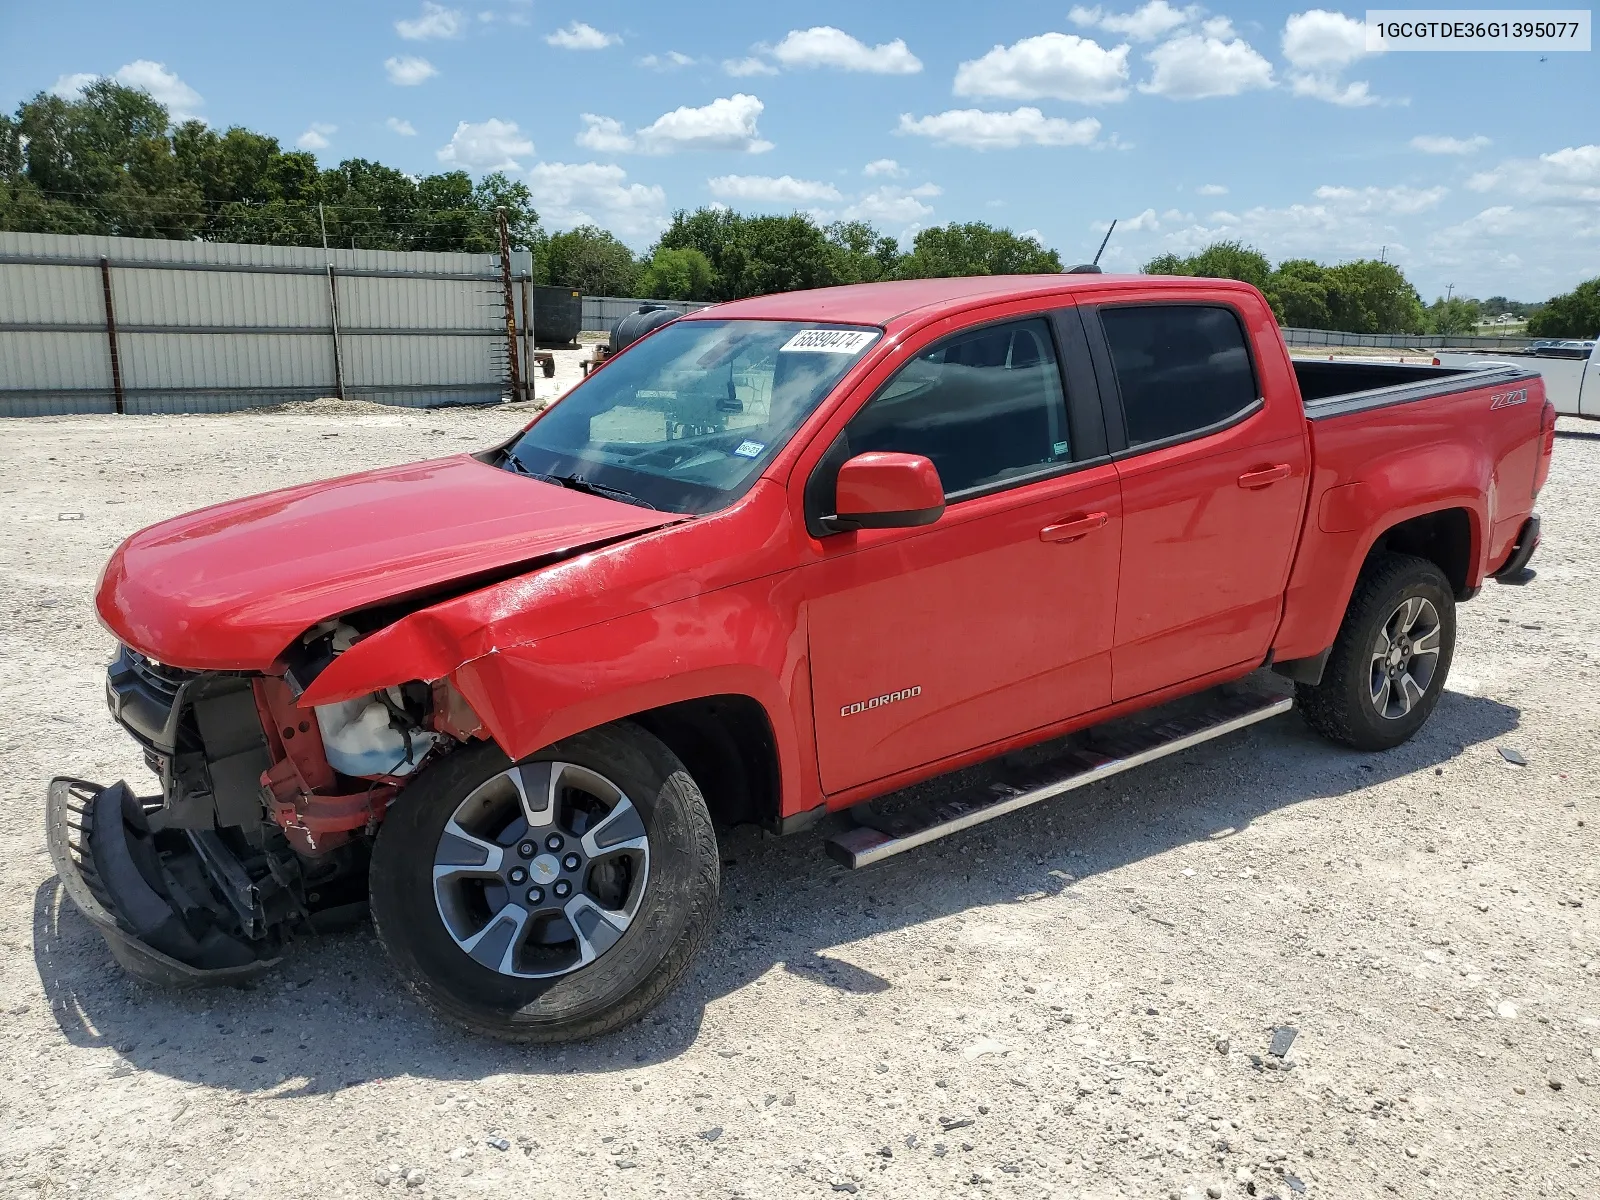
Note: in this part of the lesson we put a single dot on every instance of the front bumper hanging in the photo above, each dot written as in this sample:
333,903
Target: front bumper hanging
166,911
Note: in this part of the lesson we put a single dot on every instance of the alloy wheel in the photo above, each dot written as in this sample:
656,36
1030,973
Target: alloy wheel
1405,657
541,869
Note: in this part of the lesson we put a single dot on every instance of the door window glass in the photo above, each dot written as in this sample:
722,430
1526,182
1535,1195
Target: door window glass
1180,367
983,406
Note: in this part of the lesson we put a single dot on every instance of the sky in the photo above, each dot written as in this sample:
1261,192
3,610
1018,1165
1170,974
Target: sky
1268,124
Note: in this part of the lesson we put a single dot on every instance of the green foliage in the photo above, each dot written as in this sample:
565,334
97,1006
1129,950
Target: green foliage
752,256
1576,314
1364,296
860,253
975,249
684,274
591,260
110,162
1455,315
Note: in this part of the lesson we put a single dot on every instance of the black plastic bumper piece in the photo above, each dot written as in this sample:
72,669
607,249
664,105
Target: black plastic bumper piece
99,842
1516,571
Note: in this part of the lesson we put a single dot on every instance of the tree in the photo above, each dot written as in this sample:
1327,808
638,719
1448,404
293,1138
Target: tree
975,249
592,260
1574,314
1220,260
1453,316
1368,296
860,253
753,256
684,274
1364,296
111,162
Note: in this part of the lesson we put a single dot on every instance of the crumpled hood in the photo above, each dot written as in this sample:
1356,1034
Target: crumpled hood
229,587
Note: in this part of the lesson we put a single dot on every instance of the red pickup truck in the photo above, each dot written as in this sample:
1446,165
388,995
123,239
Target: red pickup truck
777,559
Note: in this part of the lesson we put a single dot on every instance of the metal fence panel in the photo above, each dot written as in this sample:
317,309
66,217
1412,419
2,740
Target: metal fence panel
1403,341
210,327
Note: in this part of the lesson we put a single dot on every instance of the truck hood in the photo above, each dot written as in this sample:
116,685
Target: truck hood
229,587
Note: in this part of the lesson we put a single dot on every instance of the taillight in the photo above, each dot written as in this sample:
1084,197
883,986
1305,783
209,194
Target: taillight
1547,446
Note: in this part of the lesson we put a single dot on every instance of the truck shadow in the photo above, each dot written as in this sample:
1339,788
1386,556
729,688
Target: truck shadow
333,1016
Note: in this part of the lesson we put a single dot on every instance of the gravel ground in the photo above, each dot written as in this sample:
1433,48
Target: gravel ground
1076,1001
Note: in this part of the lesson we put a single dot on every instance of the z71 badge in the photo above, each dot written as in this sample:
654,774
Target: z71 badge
1507,399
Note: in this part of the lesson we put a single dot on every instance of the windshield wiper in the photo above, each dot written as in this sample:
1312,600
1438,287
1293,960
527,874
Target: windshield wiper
574,481
579,484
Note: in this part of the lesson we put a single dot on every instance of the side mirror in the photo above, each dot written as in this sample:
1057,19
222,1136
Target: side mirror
885,489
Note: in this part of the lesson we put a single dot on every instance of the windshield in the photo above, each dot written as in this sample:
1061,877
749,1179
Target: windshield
686,419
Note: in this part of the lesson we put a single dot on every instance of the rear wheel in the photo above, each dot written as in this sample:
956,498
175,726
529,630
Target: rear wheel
551,899
1389,664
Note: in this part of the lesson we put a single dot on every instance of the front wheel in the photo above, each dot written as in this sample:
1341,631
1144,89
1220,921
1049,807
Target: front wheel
1391,658
548,900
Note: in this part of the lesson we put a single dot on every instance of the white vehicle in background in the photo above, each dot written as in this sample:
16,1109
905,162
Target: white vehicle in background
1571,384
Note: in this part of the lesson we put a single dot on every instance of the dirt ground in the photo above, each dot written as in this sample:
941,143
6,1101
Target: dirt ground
1075,1001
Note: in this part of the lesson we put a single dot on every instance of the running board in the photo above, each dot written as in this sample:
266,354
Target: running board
1113,754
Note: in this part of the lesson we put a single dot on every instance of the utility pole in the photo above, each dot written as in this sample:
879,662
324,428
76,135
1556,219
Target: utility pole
1448,288
322,221
512,358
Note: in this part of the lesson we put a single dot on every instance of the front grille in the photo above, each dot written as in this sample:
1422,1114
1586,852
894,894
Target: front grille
158,676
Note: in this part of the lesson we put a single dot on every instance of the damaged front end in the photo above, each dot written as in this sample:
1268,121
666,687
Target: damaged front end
264,819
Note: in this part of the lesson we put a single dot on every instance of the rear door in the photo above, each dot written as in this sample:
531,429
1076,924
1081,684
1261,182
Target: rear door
1213,486
997,619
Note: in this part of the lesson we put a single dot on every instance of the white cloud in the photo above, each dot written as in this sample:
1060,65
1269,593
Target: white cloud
491,145
1145,24
1357,94
890,205
884,166
401,126
669,61
1145,220
571,194
728,123
70,87
316,138
1319,45
409,70
767,189
1403,200
825,46
979,130
580,36
1211,189
436,21
1569,176
603,134
740,68
1061,66
1319,40
1199,66
1437,144
182,101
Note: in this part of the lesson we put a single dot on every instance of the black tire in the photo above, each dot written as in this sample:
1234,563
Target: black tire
1342,707
675,915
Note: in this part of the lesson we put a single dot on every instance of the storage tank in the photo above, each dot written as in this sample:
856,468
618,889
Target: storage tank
638,323
557,315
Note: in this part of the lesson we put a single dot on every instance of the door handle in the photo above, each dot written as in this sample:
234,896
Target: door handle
1071,531
1262,476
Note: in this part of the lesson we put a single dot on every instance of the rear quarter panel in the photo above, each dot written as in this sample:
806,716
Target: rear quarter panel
1374,468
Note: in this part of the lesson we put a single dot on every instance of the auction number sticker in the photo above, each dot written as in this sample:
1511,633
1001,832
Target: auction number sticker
829,341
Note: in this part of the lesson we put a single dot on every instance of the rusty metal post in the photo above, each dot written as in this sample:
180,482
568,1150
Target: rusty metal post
529,360
338,354
111,337
512,358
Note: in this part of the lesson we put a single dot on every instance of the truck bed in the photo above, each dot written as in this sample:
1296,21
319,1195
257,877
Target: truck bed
1333,388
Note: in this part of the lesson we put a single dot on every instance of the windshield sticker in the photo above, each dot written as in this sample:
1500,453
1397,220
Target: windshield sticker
750,449
829,341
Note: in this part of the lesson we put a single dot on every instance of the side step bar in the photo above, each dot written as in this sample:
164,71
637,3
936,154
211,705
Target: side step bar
920,824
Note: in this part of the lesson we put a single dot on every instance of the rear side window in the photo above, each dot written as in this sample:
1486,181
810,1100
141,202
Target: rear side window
983,406
1180,367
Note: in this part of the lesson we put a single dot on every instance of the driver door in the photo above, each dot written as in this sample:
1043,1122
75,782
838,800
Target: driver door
998,618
